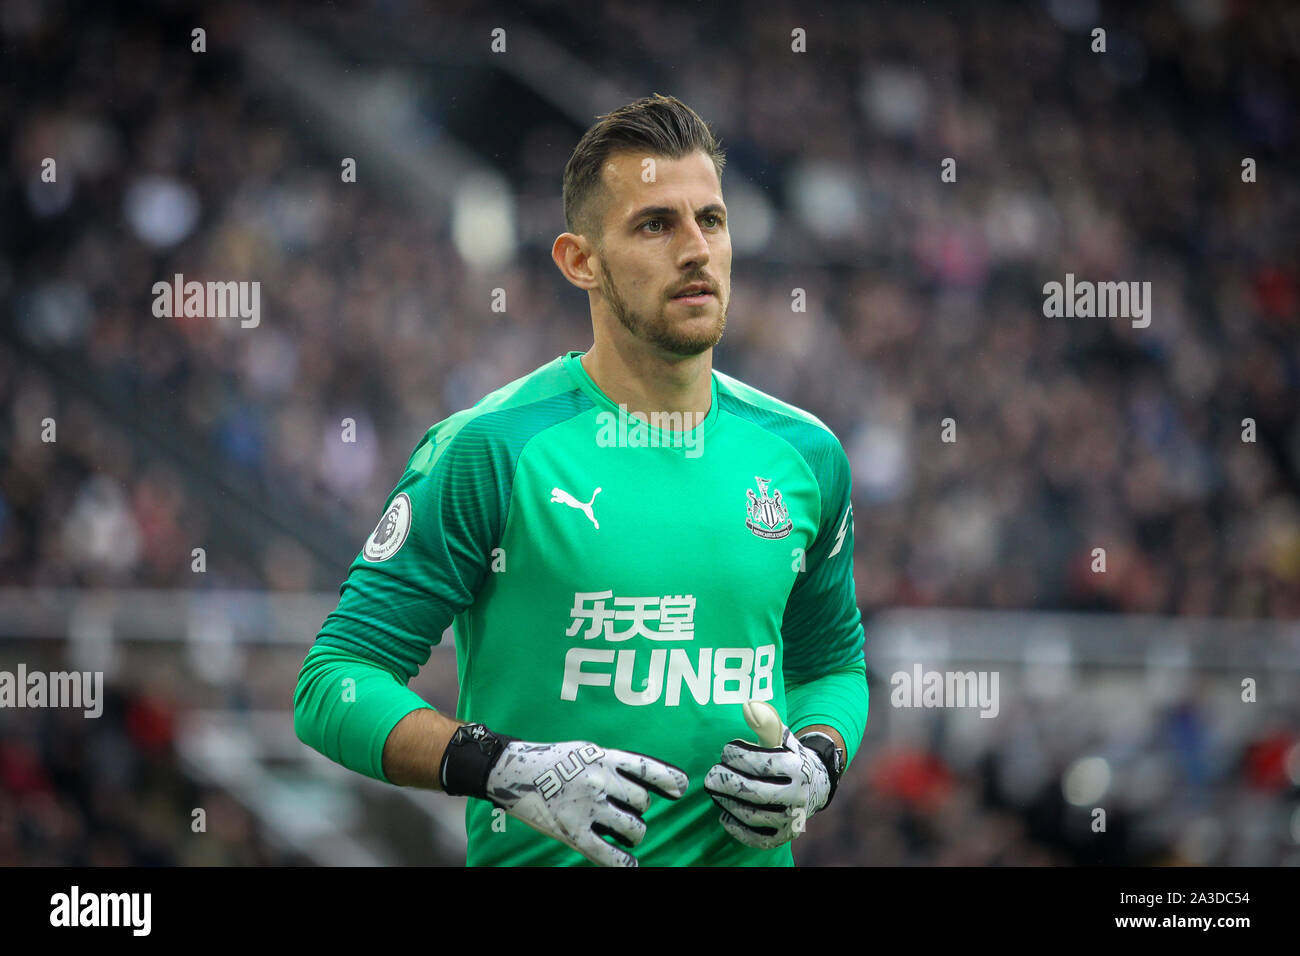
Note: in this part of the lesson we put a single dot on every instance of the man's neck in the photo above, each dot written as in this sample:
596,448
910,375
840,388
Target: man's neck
649,384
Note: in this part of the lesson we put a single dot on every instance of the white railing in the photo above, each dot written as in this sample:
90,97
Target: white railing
220,617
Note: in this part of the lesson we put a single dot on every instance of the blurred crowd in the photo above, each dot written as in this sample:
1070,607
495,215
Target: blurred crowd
925,298
924,304
111,792
1178,783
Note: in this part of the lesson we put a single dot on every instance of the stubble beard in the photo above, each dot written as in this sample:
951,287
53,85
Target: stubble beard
660,331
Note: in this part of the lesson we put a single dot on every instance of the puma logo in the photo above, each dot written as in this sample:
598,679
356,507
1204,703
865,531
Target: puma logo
562,496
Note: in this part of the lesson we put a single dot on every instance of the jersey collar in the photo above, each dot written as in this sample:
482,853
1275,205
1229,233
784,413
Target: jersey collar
572,361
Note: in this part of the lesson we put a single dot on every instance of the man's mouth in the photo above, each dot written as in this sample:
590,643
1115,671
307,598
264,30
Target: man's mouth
694,297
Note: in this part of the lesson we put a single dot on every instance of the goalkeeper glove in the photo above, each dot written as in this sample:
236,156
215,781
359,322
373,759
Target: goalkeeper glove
574,791
769,792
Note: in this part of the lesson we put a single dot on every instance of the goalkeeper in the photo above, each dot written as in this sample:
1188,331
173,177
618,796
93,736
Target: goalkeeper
647,565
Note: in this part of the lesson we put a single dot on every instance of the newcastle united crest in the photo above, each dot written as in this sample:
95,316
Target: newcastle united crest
768,515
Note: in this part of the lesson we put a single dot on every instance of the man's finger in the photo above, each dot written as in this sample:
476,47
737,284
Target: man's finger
755,790
756,762
747,835
655,775
766,819
630,793
764,721
616,820
602,852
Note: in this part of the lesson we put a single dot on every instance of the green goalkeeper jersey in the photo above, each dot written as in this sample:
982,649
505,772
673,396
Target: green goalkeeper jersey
606,580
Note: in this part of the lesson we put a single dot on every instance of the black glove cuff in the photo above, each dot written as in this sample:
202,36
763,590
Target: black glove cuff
470,755
822,745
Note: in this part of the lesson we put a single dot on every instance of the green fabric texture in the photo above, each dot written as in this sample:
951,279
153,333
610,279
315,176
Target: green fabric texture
346,706
839,700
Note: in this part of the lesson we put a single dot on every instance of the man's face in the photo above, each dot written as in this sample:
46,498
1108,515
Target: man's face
661,236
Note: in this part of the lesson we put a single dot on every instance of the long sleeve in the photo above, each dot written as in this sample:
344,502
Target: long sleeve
840,699
420,568
346,706
825,671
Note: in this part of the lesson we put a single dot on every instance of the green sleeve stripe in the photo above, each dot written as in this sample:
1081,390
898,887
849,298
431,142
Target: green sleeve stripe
840,700
748,395
547,382
380,617
822,623
349,722
460,478
813,441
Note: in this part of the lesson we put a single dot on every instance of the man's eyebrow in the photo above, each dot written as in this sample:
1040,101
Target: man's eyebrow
712,207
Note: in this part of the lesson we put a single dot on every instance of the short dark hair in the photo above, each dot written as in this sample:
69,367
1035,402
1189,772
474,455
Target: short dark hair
660,125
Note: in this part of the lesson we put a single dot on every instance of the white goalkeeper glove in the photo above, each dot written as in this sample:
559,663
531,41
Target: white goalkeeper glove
768,792
573,791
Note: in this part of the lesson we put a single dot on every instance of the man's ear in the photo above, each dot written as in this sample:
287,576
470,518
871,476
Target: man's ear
572,254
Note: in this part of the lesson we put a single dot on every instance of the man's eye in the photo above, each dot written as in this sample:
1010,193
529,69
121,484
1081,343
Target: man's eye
651,222
715,217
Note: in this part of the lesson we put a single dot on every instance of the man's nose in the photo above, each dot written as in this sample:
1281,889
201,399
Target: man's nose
695,246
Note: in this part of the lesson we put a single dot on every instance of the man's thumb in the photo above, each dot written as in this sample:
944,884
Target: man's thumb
763,718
